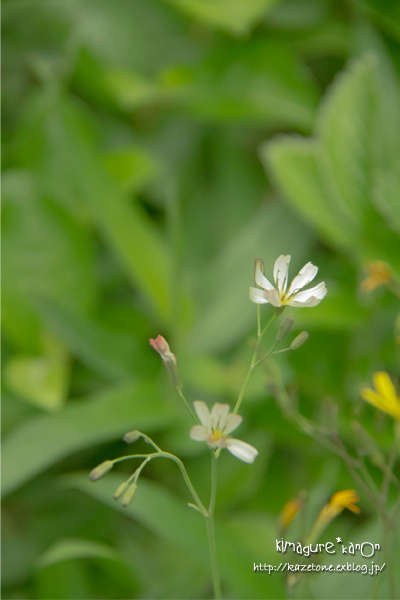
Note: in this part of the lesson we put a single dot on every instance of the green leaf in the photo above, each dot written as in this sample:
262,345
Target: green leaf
387,127
295,163
234,16
71,160
46,253
346,128
331,179
386,197
42,441
70,549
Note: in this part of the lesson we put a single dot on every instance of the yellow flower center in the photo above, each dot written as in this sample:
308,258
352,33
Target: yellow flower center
216,435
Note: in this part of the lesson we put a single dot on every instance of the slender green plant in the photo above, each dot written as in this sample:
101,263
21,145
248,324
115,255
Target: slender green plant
215,426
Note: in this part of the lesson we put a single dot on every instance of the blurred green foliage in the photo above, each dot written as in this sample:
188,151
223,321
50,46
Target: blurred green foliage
135,201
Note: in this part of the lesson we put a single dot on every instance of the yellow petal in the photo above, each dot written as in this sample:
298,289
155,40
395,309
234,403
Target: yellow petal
353,508
385,398
372,397
384,386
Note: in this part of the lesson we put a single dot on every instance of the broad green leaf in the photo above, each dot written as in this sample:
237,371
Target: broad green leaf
46,253
296,165
387,197
42,441
345,126
387,127
333,181
74,163
71,549
235,16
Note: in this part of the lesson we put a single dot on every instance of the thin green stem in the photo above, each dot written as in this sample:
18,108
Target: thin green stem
211,529
389,471
283,350
187,481
150,441
252,364
270,351
368,477
186,403
161,454
258,320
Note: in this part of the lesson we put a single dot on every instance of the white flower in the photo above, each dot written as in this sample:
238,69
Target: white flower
216,426
281,294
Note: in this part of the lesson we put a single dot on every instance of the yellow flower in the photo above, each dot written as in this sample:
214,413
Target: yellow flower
289,511
384,396
338,502
378,274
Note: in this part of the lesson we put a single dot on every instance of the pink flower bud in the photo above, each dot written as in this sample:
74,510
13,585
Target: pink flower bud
161,346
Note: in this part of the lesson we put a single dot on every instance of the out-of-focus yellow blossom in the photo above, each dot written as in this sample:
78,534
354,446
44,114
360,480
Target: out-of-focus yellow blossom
338,502
289,511
379,274
383,396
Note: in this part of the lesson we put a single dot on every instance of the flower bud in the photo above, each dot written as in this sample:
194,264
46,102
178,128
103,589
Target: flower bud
128,496
161,346
299,340
131,436
101,470
289,512
120,490
284,329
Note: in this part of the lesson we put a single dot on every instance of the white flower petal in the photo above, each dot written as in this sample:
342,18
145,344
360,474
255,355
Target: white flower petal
232,422
198,433
305,276
241,450
202,411
310,297
273,297
281,272
261,280
258,296
219,415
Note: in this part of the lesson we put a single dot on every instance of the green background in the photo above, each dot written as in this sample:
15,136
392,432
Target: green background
152,150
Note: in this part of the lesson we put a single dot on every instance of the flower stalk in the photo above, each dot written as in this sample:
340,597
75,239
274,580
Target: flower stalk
211,528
